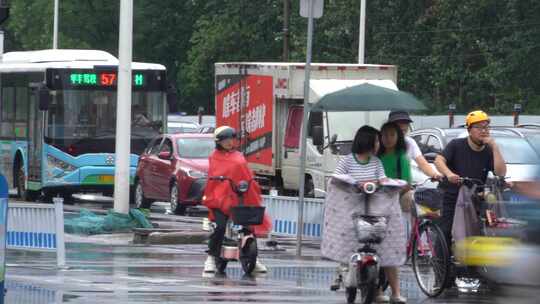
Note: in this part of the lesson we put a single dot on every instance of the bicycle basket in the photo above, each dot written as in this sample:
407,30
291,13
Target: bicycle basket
247,215
428,202
369,228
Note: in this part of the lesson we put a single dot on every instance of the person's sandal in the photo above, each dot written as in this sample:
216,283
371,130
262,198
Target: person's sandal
398,300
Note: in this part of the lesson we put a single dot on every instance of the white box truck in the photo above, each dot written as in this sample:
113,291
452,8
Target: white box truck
264,102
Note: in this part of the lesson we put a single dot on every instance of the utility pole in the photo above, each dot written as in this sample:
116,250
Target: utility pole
309,9
55,30
362,33
123,109
286,18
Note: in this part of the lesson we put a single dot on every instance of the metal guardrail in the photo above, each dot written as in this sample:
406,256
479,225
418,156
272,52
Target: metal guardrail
37,227
22,293
284,213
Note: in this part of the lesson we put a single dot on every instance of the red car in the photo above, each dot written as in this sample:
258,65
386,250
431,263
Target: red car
173,168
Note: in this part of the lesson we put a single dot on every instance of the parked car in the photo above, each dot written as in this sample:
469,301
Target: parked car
520,148
173,168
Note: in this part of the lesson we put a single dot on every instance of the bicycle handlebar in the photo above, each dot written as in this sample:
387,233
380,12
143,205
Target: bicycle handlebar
233,185
429,179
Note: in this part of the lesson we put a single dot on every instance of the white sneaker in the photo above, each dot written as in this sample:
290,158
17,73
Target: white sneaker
210,264
260,268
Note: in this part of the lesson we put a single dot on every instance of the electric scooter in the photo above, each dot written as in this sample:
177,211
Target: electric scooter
244,247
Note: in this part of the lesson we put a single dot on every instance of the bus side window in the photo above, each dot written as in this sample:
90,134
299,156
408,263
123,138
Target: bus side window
21,112
7,126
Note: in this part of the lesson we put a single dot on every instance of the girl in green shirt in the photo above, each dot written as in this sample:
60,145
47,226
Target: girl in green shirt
393,153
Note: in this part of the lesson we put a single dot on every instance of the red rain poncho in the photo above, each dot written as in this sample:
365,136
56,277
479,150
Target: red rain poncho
219,194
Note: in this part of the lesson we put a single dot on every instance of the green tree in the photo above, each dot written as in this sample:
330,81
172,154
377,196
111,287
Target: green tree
235,30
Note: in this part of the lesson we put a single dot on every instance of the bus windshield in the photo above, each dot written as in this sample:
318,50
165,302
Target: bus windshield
84,121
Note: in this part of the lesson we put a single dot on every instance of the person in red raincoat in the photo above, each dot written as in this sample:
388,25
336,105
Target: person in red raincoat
219,197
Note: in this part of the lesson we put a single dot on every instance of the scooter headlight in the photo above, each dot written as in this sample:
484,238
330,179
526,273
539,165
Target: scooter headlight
370,188
243,186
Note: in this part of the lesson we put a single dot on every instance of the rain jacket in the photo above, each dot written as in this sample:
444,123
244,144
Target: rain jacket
220,195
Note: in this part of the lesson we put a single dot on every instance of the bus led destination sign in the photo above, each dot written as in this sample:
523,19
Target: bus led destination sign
105,79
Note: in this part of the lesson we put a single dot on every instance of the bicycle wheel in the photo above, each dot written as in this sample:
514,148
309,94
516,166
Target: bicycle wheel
369,283
350,293
248,256
430,259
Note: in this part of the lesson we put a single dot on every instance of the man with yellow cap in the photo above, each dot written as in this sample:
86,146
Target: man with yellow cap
473,157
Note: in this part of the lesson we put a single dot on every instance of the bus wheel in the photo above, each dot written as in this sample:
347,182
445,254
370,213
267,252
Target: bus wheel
67,196
22,192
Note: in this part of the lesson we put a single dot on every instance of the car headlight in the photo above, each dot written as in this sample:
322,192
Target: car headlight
54,162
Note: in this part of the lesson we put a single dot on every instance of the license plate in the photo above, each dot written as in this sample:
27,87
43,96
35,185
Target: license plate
106,179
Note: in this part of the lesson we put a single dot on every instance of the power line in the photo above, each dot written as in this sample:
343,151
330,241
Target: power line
471,29
500,50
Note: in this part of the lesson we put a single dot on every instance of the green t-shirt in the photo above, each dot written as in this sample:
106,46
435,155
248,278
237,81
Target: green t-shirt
390,162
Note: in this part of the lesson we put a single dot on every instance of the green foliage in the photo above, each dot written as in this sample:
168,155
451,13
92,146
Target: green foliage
475,53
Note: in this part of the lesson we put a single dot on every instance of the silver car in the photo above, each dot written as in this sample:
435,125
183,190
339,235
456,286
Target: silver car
520,148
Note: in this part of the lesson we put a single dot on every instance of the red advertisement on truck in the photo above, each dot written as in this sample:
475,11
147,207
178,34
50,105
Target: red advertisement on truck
245,102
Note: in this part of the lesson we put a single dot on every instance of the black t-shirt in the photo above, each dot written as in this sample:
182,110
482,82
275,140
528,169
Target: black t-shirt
465,162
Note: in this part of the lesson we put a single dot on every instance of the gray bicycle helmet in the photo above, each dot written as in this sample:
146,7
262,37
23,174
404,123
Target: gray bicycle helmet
224,132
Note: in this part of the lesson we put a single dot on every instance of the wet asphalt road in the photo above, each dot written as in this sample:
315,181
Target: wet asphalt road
173,274
106,269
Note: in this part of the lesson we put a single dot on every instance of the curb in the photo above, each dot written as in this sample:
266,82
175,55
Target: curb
169,236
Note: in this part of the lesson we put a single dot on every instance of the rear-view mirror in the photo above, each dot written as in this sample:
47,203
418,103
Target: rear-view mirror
317,135
333,140
164,155
44,98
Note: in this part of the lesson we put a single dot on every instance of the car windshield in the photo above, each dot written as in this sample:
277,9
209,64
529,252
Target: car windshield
517,150
195,147
534,139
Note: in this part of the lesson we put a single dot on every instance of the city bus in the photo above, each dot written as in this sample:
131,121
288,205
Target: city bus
58,119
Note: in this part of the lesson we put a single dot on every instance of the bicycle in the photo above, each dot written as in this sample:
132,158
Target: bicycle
486,202
427,245
244,248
